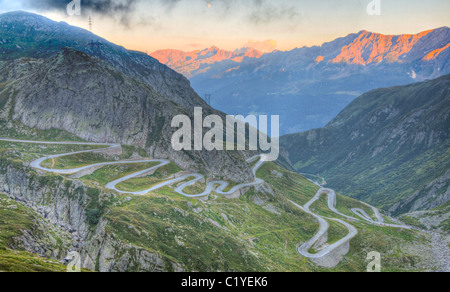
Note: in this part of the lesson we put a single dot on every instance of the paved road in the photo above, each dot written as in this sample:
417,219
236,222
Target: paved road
217,186
324,225
210,187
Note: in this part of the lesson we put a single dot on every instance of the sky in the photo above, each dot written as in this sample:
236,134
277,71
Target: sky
149,25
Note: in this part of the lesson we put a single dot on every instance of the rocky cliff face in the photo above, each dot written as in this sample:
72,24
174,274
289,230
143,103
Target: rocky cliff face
388,147
85,96
65,206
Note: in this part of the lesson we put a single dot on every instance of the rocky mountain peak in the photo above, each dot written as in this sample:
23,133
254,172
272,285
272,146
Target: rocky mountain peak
195,62
373,48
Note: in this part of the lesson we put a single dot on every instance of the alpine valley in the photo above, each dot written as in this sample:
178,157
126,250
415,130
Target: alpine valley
88,176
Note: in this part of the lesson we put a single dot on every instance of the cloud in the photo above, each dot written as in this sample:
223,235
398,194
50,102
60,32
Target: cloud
130,12
257,11
97,6
266,12
264,46
119,10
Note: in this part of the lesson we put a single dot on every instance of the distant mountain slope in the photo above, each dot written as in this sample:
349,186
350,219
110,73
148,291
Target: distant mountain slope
196,62
370,48
390,147
309,86
24,34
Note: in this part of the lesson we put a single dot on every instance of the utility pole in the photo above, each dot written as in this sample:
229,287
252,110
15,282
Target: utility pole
208,98
90,23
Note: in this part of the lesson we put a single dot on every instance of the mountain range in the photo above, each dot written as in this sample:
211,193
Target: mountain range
197,62
309,86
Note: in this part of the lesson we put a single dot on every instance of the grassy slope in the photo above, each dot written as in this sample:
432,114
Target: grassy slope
146,182
256,232
249,238
110,173
28,152
14,220
17,261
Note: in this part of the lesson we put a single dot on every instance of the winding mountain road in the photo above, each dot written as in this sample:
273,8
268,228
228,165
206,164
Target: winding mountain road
210,187
341,247
327,255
